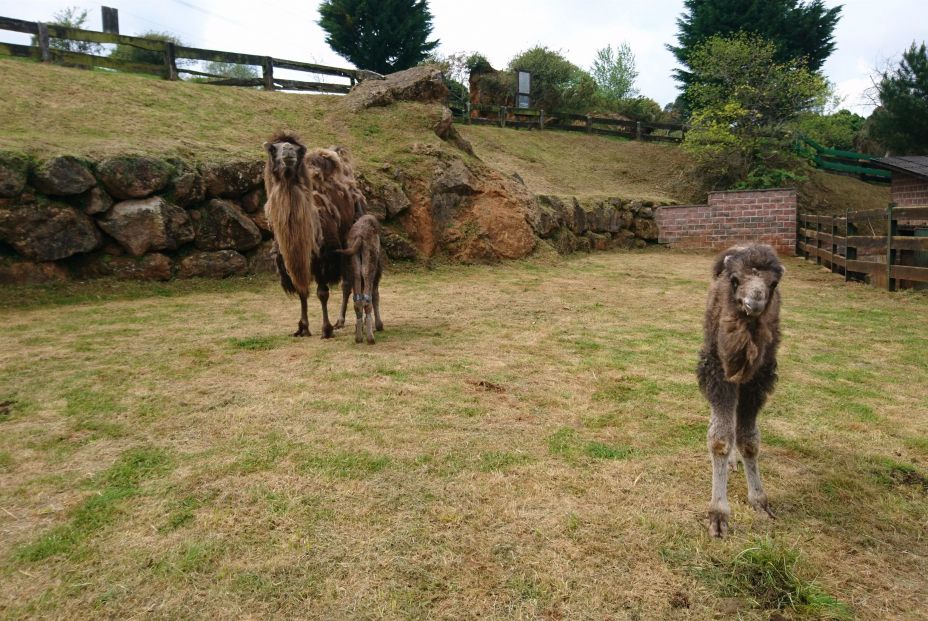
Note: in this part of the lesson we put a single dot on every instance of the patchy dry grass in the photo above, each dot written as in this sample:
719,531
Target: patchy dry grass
524,441
549,162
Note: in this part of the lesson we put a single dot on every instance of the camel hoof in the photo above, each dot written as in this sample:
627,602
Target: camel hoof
302,331
379,326
718,524
339,324
328,332
763,508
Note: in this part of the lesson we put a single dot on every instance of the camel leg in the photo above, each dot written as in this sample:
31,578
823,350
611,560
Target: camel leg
733,460
378,324
358,298
322,292
346,293
721,441
302,327
748,438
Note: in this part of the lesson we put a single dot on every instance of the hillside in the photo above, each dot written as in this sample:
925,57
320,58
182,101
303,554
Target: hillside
49,110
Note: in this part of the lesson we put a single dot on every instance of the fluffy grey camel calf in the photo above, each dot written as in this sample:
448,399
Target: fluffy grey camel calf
367,267
737,367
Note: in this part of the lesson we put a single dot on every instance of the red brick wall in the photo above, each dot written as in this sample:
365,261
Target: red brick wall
909,191
767,216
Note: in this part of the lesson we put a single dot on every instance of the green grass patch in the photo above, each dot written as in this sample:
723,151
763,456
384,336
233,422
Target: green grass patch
501,461
345,464
771,575
567,444
114,485
259,343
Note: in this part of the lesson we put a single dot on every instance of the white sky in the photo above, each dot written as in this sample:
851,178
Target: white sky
869,35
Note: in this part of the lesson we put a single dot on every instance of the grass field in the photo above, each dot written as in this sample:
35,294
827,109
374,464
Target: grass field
525,441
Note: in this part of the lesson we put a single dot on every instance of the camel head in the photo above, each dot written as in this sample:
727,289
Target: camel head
285,155
752,274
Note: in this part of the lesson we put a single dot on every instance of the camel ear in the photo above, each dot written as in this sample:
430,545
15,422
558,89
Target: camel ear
268,147
722,263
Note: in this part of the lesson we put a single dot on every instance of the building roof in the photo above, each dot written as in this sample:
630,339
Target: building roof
916,165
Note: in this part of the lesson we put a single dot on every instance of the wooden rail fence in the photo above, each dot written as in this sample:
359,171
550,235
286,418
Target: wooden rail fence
171,53
504,116
887,247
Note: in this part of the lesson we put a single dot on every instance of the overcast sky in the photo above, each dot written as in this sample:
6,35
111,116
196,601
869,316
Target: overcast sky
869,35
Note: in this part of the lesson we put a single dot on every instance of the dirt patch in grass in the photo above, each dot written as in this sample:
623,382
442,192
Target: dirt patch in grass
524,441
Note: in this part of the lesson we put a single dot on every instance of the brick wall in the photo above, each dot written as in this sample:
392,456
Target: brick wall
767,216
909,191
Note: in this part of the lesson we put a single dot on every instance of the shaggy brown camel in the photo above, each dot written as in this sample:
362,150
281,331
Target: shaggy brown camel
367,268
312,199
738,367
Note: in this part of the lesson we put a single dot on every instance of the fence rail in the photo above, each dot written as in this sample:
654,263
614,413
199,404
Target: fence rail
171,53
836,160
504,116
893,255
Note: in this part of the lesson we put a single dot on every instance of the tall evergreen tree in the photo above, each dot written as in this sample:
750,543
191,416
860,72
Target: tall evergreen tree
799,29
901,121
378,35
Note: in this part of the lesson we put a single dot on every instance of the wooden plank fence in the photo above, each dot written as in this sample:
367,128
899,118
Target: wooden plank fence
504,116
171,53
880,246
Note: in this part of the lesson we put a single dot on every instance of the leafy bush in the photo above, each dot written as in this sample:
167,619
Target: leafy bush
557,84
743,101
838,131
133,54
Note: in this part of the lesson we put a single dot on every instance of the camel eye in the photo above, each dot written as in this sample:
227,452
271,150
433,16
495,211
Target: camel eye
735,283
774,284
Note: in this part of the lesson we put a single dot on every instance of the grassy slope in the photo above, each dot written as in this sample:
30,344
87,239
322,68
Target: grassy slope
476,463
575,164
48,110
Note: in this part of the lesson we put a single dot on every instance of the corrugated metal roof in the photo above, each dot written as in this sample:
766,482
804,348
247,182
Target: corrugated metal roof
912,164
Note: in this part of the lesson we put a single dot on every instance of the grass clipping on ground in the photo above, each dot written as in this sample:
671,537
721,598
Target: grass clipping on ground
524,441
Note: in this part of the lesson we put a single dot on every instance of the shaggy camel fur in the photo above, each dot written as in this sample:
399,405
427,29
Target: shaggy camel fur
312,199
738,367
367,268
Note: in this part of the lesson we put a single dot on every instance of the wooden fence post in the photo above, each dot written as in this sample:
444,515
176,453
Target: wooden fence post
502,116
850,253
818,241
834,244
467,112
638,130
890,253
170,60
589,124
43,42
541,119
267,71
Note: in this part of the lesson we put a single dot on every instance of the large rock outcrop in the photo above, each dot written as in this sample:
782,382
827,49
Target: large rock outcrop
222,225
48,231
150,224
63,176
423,84
128,177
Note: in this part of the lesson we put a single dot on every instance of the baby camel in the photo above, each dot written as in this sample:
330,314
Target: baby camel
367,268
738,367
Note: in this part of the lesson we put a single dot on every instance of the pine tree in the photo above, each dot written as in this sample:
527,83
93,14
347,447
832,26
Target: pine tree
901,121
800,30
378,35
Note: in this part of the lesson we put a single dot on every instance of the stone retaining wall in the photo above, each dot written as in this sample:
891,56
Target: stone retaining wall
140,217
